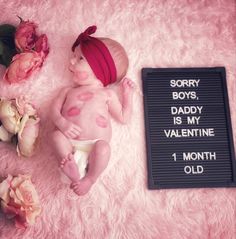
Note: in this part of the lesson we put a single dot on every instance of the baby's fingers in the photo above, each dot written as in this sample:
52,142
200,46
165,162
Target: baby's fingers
76,128
75,131
70,134
127,83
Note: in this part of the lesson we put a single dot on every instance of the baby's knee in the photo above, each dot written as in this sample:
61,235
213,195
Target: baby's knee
103,147
56,135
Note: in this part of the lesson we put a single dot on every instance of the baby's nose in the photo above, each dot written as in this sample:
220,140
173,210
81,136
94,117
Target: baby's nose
73,61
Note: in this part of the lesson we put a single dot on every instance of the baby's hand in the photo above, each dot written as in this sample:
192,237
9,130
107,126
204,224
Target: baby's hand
128,85
70,130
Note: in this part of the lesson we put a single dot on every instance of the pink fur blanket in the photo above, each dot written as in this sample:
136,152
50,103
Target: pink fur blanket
172,33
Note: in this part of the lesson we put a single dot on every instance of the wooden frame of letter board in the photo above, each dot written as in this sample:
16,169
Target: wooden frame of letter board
159,184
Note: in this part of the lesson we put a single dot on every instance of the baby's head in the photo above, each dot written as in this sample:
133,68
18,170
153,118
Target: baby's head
119,56
106,57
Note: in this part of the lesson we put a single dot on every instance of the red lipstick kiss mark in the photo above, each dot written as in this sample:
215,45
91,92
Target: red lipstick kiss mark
101,121
85,96
73,111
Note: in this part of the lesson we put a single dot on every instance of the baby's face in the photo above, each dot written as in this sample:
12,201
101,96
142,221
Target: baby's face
83,74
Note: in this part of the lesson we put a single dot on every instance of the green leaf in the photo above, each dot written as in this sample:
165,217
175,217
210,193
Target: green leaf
21,20
7,35
6,54
7,30
9,41
1,61
1,47
7,44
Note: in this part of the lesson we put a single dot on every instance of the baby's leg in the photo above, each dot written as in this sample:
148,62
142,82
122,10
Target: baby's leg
64,150
98,160
61,144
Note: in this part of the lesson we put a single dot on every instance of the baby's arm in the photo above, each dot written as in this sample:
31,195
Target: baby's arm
69,129
122,112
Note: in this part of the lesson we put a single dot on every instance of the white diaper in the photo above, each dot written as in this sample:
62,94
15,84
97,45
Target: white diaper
81,150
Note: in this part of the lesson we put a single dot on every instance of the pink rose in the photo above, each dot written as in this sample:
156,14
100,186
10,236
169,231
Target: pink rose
19,200
41,45
22,66
25,35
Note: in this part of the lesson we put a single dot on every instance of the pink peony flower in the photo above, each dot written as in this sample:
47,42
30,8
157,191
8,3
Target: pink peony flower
25,36
18,117
41,45
5,136
19,200
22,66
23,106
27,137
9,116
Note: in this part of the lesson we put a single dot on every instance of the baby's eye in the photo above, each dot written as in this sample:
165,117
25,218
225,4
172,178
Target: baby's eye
81,58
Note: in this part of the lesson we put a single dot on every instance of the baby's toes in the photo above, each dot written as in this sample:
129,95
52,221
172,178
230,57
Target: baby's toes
125,82
131,84
77,191
70,156
74,185
62,163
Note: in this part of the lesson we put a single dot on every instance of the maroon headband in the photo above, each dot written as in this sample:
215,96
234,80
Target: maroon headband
97,55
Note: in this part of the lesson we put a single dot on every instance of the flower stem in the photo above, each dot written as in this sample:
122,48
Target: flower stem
21,20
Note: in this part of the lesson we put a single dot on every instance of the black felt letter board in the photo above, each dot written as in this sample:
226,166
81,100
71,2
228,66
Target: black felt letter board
188,129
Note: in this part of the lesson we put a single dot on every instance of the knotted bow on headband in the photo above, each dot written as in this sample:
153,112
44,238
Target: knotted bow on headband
97,55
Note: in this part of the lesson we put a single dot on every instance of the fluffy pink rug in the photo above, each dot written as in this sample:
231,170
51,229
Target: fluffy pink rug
173,33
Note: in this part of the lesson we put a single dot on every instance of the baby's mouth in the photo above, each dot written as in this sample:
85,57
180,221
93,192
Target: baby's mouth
71,68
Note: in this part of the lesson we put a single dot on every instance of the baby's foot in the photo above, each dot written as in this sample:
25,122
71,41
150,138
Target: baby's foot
82,186
128,85
70,168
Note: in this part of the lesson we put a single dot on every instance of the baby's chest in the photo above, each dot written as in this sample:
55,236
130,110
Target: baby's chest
83,100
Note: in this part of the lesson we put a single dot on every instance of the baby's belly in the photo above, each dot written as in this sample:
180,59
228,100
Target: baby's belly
96,126
94,131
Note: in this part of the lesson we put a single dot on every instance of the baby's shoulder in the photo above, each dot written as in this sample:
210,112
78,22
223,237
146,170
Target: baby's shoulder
72,89
63,92
109,92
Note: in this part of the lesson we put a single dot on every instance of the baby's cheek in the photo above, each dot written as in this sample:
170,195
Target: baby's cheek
82,75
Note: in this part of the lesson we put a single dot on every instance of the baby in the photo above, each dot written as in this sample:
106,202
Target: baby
82,114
